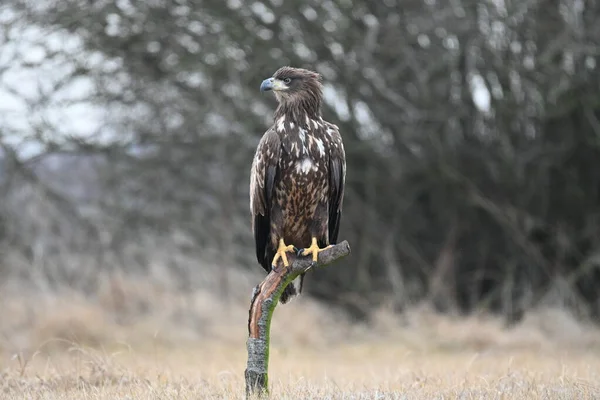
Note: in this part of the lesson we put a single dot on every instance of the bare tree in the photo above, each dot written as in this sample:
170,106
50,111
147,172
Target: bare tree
471,133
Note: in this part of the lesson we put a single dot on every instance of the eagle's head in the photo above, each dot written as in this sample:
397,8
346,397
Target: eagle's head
295,86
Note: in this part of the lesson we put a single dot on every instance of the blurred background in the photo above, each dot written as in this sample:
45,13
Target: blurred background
127,130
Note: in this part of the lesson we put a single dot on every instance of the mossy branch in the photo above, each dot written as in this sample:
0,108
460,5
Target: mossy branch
264,300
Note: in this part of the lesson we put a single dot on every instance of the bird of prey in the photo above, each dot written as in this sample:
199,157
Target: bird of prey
297,177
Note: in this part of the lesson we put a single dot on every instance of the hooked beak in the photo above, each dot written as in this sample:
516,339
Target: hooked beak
266,85
272,84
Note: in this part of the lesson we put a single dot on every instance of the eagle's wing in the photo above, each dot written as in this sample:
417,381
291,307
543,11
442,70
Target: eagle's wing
262,183
337,181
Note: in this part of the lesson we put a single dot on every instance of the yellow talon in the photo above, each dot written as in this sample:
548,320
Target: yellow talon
314,250
281,250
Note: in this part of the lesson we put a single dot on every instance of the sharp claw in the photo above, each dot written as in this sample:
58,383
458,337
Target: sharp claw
281,254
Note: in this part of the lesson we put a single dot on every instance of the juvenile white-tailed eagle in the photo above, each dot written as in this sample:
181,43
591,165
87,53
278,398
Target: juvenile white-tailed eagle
298,175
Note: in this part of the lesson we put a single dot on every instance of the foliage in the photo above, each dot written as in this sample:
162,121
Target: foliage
471,132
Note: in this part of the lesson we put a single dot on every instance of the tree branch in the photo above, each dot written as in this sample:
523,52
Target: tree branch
264,300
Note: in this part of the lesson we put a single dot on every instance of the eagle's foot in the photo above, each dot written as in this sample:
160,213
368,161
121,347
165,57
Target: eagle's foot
281,253
314,250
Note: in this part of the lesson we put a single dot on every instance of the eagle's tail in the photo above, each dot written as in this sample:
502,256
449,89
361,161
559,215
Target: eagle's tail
294,288
288,293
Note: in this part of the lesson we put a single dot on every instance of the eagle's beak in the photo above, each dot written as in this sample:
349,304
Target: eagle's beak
272,84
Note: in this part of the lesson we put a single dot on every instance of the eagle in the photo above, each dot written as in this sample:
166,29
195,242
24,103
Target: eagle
297,176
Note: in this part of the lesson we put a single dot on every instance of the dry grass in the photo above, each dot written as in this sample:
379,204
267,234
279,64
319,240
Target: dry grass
382,370
144,343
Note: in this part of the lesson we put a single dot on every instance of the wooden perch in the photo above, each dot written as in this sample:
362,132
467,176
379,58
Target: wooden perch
264,300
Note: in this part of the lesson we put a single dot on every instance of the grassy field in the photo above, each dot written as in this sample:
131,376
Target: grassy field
368,371
194,348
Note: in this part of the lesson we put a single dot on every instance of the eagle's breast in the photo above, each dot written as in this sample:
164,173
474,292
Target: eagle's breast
303,165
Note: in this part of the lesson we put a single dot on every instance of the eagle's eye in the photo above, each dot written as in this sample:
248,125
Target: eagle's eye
287,81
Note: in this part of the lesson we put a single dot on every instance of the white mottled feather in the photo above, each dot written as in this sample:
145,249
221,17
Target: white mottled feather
305,165
320,146
281,124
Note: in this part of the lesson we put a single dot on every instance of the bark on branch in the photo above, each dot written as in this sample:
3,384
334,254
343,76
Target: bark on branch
264,300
